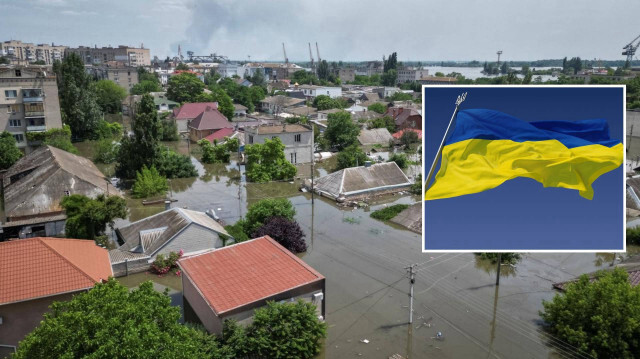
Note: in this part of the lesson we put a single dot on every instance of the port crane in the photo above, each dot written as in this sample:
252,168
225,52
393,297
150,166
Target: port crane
286,59
630,49
311,57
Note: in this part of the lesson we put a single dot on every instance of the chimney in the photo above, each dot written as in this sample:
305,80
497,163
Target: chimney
367,164
167,205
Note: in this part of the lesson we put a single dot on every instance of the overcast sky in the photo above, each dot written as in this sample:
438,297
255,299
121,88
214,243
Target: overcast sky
344,29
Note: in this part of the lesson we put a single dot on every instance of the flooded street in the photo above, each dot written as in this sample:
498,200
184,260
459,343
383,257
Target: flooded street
367,287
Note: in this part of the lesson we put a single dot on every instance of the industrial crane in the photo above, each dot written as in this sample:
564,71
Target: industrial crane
318,52
630,49
286,59
311,57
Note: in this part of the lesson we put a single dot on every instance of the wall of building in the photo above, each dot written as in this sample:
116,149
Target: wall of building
131,56
302,151
19,319
19,117
22,53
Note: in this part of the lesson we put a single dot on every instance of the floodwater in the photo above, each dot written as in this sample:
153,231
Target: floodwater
364,261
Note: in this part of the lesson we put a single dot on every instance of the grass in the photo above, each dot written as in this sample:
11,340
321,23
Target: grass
387,213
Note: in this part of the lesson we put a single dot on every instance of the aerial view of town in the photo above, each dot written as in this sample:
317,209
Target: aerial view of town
219,179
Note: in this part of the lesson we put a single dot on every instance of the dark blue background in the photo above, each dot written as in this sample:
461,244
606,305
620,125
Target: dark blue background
520,214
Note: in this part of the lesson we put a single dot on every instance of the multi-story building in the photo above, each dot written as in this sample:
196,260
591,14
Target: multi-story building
411,74
22,53
28,103
125,76
311,91
131,56
298,139
347,74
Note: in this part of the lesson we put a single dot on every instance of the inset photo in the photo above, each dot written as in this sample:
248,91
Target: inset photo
524,168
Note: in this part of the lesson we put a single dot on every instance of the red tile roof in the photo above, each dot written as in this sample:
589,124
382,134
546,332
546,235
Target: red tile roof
210,119
192,110
220,134
244,273
401,132
39,267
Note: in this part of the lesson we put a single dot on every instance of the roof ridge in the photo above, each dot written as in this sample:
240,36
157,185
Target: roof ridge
184,214
281,248
41,239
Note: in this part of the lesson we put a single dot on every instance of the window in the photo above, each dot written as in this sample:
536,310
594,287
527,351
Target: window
250,139
291,160
18,73
19,137
67,193
297,138
10,94
15,123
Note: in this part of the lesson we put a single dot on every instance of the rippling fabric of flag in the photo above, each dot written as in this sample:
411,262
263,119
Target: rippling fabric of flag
489,147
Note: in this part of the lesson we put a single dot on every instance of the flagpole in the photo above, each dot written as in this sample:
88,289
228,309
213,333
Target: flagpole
460,99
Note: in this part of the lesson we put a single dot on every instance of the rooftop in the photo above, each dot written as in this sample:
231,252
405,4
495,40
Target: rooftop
40,267
247,272
356,180
210,119
192,110
374,136
284,128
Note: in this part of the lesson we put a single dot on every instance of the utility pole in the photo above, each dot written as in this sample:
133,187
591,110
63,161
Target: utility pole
499,264
412,280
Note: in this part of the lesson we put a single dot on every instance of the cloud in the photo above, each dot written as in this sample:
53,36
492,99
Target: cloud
78,13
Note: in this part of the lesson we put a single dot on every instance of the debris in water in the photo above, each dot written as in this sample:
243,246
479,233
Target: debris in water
366,341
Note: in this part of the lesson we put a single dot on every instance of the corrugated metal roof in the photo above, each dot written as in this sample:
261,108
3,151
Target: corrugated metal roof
375,136
356,180
35,185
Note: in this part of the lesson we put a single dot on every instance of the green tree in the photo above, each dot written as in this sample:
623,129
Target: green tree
600,318
169,129
106,151
141,149
391,63
56,137
144,75
351,156
504,69
341,131
184,87
4,60
148,183
146,323
78,102
377,107
258,79
110,96
259,212
383,122
174,165
219,95
390,78
9,153
266,162
416,187
214,153
182,67
400,159
401,96
286,330
506,258
88,218
144,87
323,70
409,137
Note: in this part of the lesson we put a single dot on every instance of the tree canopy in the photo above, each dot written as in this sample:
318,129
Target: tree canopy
601,318
266,162
110,96
377,107
145,86
184,87
110,321
88,218
284,231
140,149
259,212
9,153
219,95
351,156
341,131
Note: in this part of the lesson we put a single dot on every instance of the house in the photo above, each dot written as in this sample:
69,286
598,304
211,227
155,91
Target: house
386,91
239,110
242,82
399,134
208,122
277,104
375,136
311,91
37,271
163,104
405,117
361,182
411,74
324,114
281,85
35,185
173,230
221,134
188,112
302,111
297,138
364,116
232,282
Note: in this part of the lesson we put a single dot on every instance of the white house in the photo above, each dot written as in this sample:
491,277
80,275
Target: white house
298,139
311,91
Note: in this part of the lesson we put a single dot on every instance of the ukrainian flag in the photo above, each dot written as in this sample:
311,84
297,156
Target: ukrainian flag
489,147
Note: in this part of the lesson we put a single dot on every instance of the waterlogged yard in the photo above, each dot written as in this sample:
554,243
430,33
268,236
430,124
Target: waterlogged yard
364,260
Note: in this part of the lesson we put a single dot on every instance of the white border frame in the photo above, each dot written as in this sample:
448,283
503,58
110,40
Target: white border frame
624,161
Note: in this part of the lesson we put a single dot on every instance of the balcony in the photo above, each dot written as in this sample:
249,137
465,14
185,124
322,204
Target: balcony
28,114
32,95
40,128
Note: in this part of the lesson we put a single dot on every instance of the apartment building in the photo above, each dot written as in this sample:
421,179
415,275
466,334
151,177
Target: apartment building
411,74
130,56
298,139
22,53
28,103
125,76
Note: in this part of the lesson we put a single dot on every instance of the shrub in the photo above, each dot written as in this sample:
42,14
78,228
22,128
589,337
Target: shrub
214,153
162,264
266,162
400,159
173,165
633,235
377,107
106,151
284,231
108,129
388,213
259,212
169,130
148,183
416,187
351,156
409,137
